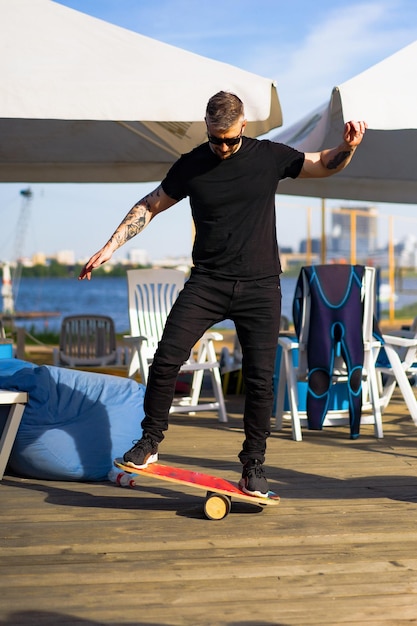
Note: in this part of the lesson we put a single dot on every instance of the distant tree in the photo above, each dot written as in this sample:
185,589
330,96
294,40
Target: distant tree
57,270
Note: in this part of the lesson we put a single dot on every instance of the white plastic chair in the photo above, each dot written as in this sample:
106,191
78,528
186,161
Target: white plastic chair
151,294
401,352
290,372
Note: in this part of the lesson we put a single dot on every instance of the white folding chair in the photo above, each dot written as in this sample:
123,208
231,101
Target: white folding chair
151,294
292,369
400,368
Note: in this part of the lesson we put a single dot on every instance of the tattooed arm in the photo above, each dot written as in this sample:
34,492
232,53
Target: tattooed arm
328,162
135,221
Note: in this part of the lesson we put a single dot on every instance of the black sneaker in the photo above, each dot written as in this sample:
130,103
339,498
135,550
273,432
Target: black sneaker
143,452
253,481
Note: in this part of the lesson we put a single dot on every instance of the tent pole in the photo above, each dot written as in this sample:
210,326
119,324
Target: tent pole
323,231
391,270
308,246
353,237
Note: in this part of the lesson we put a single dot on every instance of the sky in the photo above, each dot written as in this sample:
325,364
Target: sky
307,47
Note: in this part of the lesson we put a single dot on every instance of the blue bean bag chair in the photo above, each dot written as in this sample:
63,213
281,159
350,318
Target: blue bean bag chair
75,422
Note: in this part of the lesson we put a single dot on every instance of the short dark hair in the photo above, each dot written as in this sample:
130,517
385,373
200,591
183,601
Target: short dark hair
224,109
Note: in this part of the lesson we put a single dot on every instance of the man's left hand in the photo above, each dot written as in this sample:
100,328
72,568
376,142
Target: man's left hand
354,132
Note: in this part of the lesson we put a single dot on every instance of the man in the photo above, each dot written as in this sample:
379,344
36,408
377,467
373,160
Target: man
231,181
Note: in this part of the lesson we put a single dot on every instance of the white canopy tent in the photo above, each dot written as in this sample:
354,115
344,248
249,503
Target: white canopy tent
384,166
82,100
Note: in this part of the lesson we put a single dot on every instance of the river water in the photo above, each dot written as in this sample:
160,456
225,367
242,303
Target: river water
108,296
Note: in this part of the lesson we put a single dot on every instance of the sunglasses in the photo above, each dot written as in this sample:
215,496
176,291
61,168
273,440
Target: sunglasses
228,141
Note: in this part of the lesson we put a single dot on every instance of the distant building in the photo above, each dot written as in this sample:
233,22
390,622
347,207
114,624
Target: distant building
39,258
138,257
406,252
315,244
65,257
183,263
366,229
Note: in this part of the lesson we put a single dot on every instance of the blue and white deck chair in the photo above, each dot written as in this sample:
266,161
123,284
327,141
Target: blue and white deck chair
151,294
397,365
334,353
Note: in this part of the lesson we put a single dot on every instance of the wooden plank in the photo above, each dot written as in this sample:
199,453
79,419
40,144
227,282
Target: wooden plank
340,549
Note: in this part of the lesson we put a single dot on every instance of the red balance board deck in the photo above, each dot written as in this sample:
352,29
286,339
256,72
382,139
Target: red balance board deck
219,491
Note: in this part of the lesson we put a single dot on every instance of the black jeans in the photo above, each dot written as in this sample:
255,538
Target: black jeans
255,308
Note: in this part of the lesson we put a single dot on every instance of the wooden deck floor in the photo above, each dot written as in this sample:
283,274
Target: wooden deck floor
340,549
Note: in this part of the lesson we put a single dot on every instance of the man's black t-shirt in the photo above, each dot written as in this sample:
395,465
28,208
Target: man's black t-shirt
233,205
